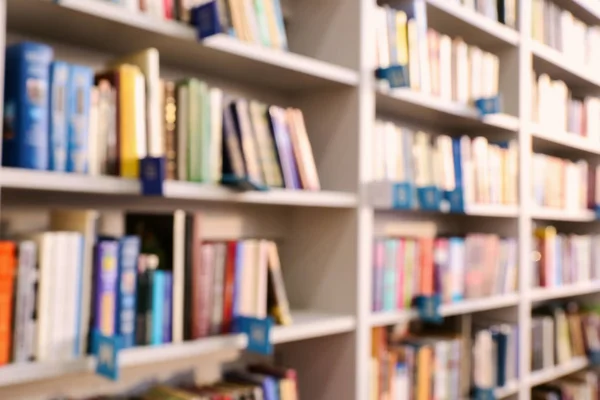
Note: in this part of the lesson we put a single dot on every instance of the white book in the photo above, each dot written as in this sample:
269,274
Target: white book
446,72
414,60
262,265
468,170
61,295
73,250
391,148
383,45
399,173
178,293
94,159
216,132
378,151
461,70
476,70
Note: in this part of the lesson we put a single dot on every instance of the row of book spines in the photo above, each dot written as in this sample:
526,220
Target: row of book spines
504,11
404,39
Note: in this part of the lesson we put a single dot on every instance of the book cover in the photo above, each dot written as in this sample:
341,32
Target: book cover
24,320
105,296
26,106
7,271
78,117
59,104
157,309
129,250
167,320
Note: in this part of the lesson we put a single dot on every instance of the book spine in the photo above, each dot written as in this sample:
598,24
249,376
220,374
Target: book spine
26,105
106,286
78,243
157,309
23,349
141,333
129,251
229,287
78,116
59,83
389,277
206,285
170,125
167,321
7,266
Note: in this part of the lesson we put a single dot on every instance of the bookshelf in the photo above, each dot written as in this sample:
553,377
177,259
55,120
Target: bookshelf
328,234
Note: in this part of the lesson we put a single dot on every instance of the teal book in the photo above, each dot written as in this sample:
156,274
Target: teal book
158,305
389,275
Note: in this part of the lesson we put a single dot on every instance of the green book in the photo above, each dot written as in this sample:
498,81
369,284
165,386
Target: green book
195,131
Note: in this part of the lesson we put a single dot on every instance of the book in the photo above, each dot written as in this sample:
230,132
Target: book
26,106
58,131
78,117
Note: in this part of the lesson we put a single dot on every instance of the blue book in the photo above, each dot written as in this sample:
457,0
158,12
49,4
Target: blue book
167,309
158,304
457,157
78,116
59,80
26,142
501,339
129,251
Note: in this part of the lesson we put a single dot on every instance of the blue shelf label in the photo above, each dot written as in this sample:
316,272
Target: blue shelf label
106,349
489,105
456,200
597,211
429,308
396,75
258,332
483,394
594,357
402,196
430,198
152,175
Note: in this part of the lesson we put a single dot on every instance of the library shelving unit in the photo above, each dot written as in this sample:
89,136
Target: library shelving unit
327,235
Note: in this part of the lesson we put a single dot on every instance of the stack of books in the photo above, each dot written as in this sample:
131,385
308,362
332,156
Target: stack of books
255,382
260,22
560,183
456,268
437,64
557,336
558,112
497,342
485,172
416,367
504,11
563,259
130,113
559,29
157,284
580,385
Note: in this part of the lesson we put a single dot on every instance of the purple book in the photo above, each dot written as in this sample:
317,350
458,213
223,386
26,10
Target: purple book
105,293
167,308
283,142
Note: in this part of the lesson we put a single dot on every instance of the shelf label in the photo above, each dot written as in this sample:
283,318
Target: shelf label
258,331
396,75
456,200
489,105
429,308
483,394
402,196
107,355
152,175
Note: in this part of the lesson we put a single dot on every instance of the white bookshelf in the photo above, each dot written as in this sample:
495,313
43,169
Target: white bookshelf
328,234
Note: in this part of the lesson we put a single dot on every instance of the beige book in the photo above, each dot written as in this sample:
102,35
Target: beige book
251,21
390,148
95,159
414,69
476,71
379,158
183,123
148,61
274,35
302,150
383,44
266,145
433,53
399,173
248,278
461,70
445,66
280,308
261,274
248,142
482,169
236,7
543,97
423,159
216,134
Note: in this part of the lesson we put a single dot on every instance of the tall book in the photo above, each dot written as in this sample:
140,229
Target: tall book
26,101
58,128
78,95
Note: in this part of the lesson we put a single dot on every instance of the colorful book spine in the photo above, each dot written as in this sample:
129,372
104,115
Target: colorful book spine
167,321
7,270
59,134
26,105
129,250
107,253
24,329
158,304
79,92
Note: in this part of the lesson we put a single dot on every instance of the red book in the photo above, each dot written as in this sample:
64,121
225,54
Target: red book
426,266
229,287
168,9
7,278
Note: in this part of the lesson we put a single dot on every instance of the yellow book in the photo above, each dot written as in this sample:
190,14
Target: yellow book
402,37
129,122
424,365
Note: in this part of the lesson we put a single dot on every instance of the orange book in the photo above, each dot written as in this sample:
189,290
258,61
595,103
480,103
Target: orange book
7,279
424,374
426,266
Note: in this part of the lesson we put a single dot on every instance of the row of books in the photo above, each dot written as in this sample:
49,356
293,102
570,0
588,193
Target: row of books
158,284
204,134
556,109
560,183
434,363
456,268
503,11
580,385
437,64
485,172
559,29
255,382
257,21
497,343
563,259
558,334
